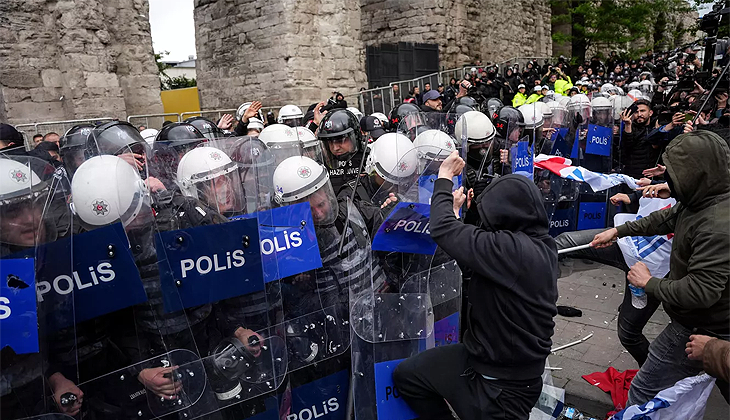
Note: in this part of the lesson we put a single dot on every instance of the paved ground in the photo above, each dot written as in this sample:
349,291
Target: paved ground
585,289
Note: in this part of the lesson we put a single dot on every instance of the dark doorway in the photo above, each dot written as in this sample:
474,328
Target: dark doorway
387,63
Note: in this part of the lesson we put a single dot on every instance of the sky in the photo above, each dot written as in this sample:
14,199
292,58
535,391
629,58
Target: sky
172,27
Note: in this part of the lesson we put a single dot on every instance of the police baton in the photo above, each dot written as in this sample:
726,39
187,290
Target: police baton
573,249
352,199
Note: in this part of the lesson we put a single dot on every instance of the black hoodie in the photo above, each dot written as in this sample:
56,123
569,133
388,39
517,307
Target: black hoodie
513,290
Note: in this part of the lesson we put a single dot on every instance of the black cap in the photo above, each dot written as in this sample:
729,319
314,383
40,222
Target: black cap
372,125
9,134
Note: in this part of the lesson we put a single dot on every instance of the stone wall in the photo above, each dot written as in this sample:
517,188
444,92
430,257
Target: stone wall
299,51
465,30
278,51
62,60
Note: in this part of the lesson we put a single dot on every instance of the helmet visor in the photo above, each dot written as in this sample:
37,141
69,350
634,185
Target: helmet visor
340,149
323,204
224,193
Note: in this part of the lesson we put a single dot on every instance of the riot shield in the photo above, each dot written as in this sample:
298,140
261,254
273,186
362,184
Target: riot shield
127,360
192,260
593,208
224,271
332,245
34,217
436,137
420,306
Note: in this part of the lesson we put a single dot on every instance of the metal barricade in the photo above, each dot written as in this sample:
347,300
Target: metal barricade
406,85
153,120
212,114
61,127
377,100
446,75
27,131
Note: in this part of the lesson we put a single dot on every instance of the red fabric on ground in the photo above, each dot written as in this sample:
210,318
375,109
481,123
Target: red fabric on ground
614,382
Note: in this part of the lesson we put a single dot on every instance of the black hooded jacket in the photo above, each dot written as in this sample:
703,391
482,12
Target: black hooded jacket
513,290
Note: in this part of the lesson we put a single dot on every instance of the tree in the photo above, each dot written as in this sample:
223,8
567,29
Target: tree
167,82
178,83
635,25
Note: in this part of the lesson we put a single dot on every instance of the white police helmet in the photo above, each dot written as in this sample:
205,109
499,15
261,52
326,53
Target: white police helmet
18,181
290,115
312,146
355,112
607,88
393,157
532,115
479,128
298,179
209,174
382,117
255,124
580,104
149,135
106,189
282,140
635,94
601,103
434,145
564,101
244,106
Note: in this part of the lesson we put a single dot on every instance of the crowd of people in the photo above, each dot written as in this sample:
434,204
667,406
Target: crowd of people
456,148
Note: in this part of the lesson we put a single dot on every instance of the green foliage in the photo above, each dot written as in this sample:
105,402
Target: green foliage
161,67
634,25
167,82
178,83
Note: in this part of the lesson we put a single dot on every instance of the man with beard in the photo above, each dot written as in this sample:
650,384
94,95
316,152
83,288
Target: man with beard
637,152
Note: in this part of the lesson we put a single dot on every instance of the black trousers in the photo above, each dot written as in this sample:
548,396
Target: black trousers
428,380
631,321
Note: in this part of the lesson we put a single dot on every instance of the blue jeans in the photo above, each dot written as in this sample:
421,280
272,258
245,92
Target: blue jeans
667,363
631,321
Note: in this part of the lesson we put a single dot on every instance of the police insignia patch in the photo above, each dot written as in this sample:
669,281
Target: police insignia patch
304,172
18,175
100,207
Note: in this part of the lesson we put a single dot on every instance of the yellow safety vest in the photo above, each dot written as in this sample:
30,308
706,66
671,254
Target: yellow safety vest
519,99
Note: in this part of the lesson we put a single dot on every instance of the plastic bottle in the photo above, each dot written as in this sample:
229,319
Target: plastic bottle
571,413
638,297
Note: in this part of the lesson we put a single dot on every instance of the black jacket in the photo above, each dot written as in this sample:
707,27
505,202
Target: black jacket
637,153
513,290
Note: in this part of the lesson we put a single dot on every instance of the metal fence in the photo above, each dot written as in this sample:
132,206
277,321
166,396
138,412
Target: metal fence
383,99
153,120
59,127
376,100
213,114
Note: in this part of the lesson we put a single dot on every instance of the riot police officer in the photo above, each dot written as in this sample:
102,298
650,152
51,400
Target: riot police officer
342,143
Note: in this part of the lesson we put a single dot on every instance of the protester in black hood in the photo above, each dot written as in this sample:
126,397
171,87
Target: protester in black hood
512,302
11,141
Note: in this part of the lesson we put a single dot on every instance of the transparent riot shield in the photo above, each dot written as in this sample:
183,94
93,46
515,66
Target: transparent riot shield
164,157
127,352
218,268
555,131
329,256
34,218
598,157
419,308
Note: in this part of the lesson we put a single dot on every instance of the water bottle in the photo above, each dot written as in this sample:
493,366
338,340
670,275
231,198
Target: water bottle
571,413
638,297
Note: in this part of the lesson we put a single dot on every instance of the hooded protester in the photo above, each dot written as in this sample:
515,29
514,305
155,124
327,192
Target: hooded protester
695,293
497,369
